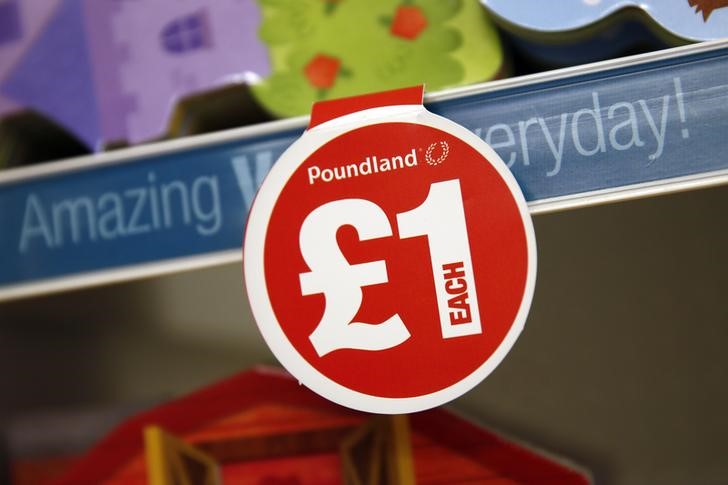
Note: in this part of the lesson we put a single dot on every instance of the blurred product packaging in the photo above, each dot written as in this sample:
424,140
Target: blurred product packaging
114,72
572,32
111,70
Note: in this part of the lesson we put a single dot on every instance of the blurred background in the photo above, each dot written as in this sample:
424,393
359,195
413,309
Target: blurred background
621,367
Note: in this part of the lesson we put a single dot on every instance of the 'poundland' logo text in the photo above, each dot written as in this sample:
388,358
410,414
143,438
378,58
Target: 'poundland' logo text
370,165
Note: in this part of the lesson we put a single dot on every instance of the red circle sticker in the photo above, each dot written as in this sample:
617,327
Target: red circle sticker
390,260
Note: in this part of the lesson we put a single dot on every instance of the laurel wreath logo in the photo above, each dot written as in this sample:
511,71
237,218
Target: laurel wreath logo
444,152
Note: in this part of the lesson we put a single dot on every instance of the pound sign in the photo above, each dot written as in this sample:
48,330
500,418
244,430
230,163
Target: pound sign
340,282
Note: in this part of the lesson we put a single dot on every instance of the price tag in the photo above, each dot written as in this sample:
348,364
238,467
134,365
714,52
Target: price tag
389,256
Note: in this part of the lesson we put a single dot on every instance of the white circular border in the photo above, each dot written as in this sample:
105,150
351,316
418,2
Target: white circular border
254,269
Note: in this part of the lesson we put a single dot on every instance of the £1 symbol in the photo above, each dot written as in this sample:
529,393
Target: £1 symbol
341,282
440,217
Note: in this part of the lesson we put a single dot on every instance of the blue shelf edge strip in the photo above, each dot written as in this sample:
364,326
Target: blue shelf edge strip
622,124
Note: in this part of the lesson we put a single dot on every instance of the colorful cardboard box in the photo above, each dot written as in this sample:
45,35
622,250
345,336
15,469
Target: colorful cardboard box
572,32
113,71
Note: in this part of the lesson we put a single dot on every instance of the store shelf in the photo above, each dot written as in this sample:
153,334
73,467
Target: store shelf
606,132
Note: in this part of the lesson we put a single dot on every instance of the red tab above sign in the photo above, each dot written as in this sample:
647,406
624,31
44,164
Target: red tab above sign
324,111
390,264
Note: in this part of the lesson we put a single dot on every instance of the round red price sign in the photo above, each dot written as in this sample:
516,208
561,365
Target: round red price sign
390,260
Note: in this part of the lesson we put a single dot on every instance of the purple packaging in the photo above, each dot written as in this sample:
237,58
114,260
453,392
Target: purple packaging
123,63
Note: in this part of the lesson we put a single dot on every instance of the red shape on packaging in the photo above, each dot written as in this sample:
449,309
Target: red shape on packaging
322,70
409,22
